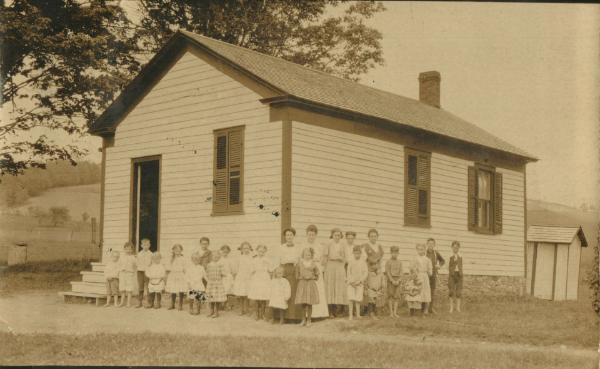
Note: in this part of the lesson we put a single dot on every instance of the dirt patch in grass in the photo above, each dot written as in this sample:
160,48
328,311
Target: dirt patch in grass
510,319
50,275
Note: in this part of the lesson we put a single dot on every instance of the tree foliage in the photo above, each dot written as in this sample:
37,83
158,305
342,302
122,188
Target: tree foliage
59,215
62,63
298,31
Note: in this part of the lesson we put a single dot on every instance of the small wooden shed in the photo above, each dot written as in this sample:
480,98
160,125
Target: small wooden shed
553,256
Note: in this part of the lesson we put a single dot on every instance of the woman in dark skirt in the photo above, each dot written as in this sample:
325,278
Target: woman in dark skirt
289,255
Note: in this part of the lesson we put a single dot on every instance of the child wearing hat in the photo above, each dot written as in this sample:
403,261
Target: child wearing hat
393,273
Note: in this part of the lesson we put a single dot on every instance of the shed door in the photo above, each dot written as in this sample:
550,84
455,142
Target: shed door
544,271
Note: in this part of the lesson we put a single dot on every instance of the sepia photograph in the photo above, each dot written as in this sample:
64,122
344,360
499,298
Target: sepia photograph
300,183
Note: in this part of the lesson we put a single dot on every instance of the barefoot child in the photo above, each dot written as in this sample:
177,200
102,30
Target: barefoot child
356,275
156,274
176,284
111,276
279,296
127,274
195,276
143,259
242,276
422,265
455,277
307,293
260,281
393,272
215,289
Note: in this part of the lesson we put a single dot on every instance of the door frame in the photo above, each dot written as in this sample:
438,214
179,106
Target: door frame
135,161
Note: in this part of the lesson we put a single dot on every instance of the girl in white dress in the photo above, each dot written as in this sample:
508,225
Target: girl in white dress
424,269
260,281
279,296
176,283
228,266
127,274
195,276
243,270
321,310
156,274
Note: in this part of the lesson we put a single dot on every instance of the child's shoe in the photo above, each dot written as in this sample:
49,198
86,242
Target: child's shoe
303,322
308,322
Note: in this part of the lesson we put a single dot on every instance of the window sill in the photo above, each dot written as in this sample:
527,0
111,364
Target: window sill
213,214
417,225
482,231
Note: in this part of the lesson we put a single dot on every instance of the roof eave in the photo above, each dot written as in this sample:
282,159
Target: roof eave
291,99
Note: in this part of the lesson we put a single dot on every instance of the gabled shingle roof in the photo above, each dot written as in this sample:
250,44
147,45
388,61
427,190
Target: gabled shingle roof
555,234
321,88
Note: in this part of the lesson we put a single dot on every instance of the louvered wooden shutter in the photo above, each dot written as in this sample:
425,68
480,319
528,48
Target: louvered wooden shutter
497,203
220,173
235,169
472,198
228,181
424,183
417,190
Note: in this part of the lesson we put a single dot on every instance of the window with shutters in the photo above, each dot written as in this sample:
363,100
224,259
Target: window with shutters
485,200
228,177
417,188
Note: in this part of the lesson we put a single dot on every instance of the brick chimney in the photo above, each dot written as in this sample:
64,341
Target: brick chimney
429,88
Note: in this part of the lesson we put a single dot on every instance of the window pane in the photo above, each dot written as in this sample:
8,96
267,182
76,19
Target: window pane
221,152
234,191
412,170
483,213
484,185
422,202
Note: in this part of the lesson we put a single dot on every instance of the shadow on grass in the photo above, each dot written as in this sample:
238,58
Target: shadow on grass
43,275
510,319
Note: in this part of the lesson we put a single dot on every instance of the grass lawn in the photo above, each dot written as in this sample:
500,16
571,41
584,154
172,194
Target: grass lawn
510,319
54,275
159,349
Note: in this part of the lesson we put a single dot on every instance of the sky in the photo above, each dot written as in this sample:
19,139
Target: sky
527,73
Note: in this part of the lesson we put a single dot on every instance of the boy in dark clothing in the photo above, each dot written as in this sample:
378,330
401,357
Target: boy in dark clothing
437,261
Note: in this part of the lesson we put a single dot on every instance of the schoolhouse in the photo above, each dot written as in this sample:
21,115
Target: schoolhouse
212,139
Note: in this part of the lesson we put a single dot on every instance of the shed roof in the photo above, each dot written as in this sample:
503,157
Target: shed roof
555,234
291,80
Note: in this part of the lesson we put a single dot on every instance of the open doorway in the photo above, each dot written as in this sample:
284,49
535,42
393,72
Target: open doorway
145,201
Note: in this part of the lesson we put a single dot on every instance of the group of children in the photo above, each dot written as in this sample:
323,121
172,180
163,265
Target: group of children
336,278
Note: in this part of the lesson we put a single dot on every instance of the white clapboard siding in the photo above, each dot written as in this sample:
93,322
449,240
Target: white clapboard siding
176,120
544,271
356,183
560,276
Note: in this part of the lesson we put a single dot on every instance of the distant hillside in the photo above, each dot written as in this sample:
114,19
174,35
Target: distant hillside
16,190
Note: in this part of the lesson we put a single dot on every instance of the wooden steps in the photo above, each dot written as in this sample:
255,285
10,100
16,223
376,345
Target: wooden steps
92,277
88,297
91,287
